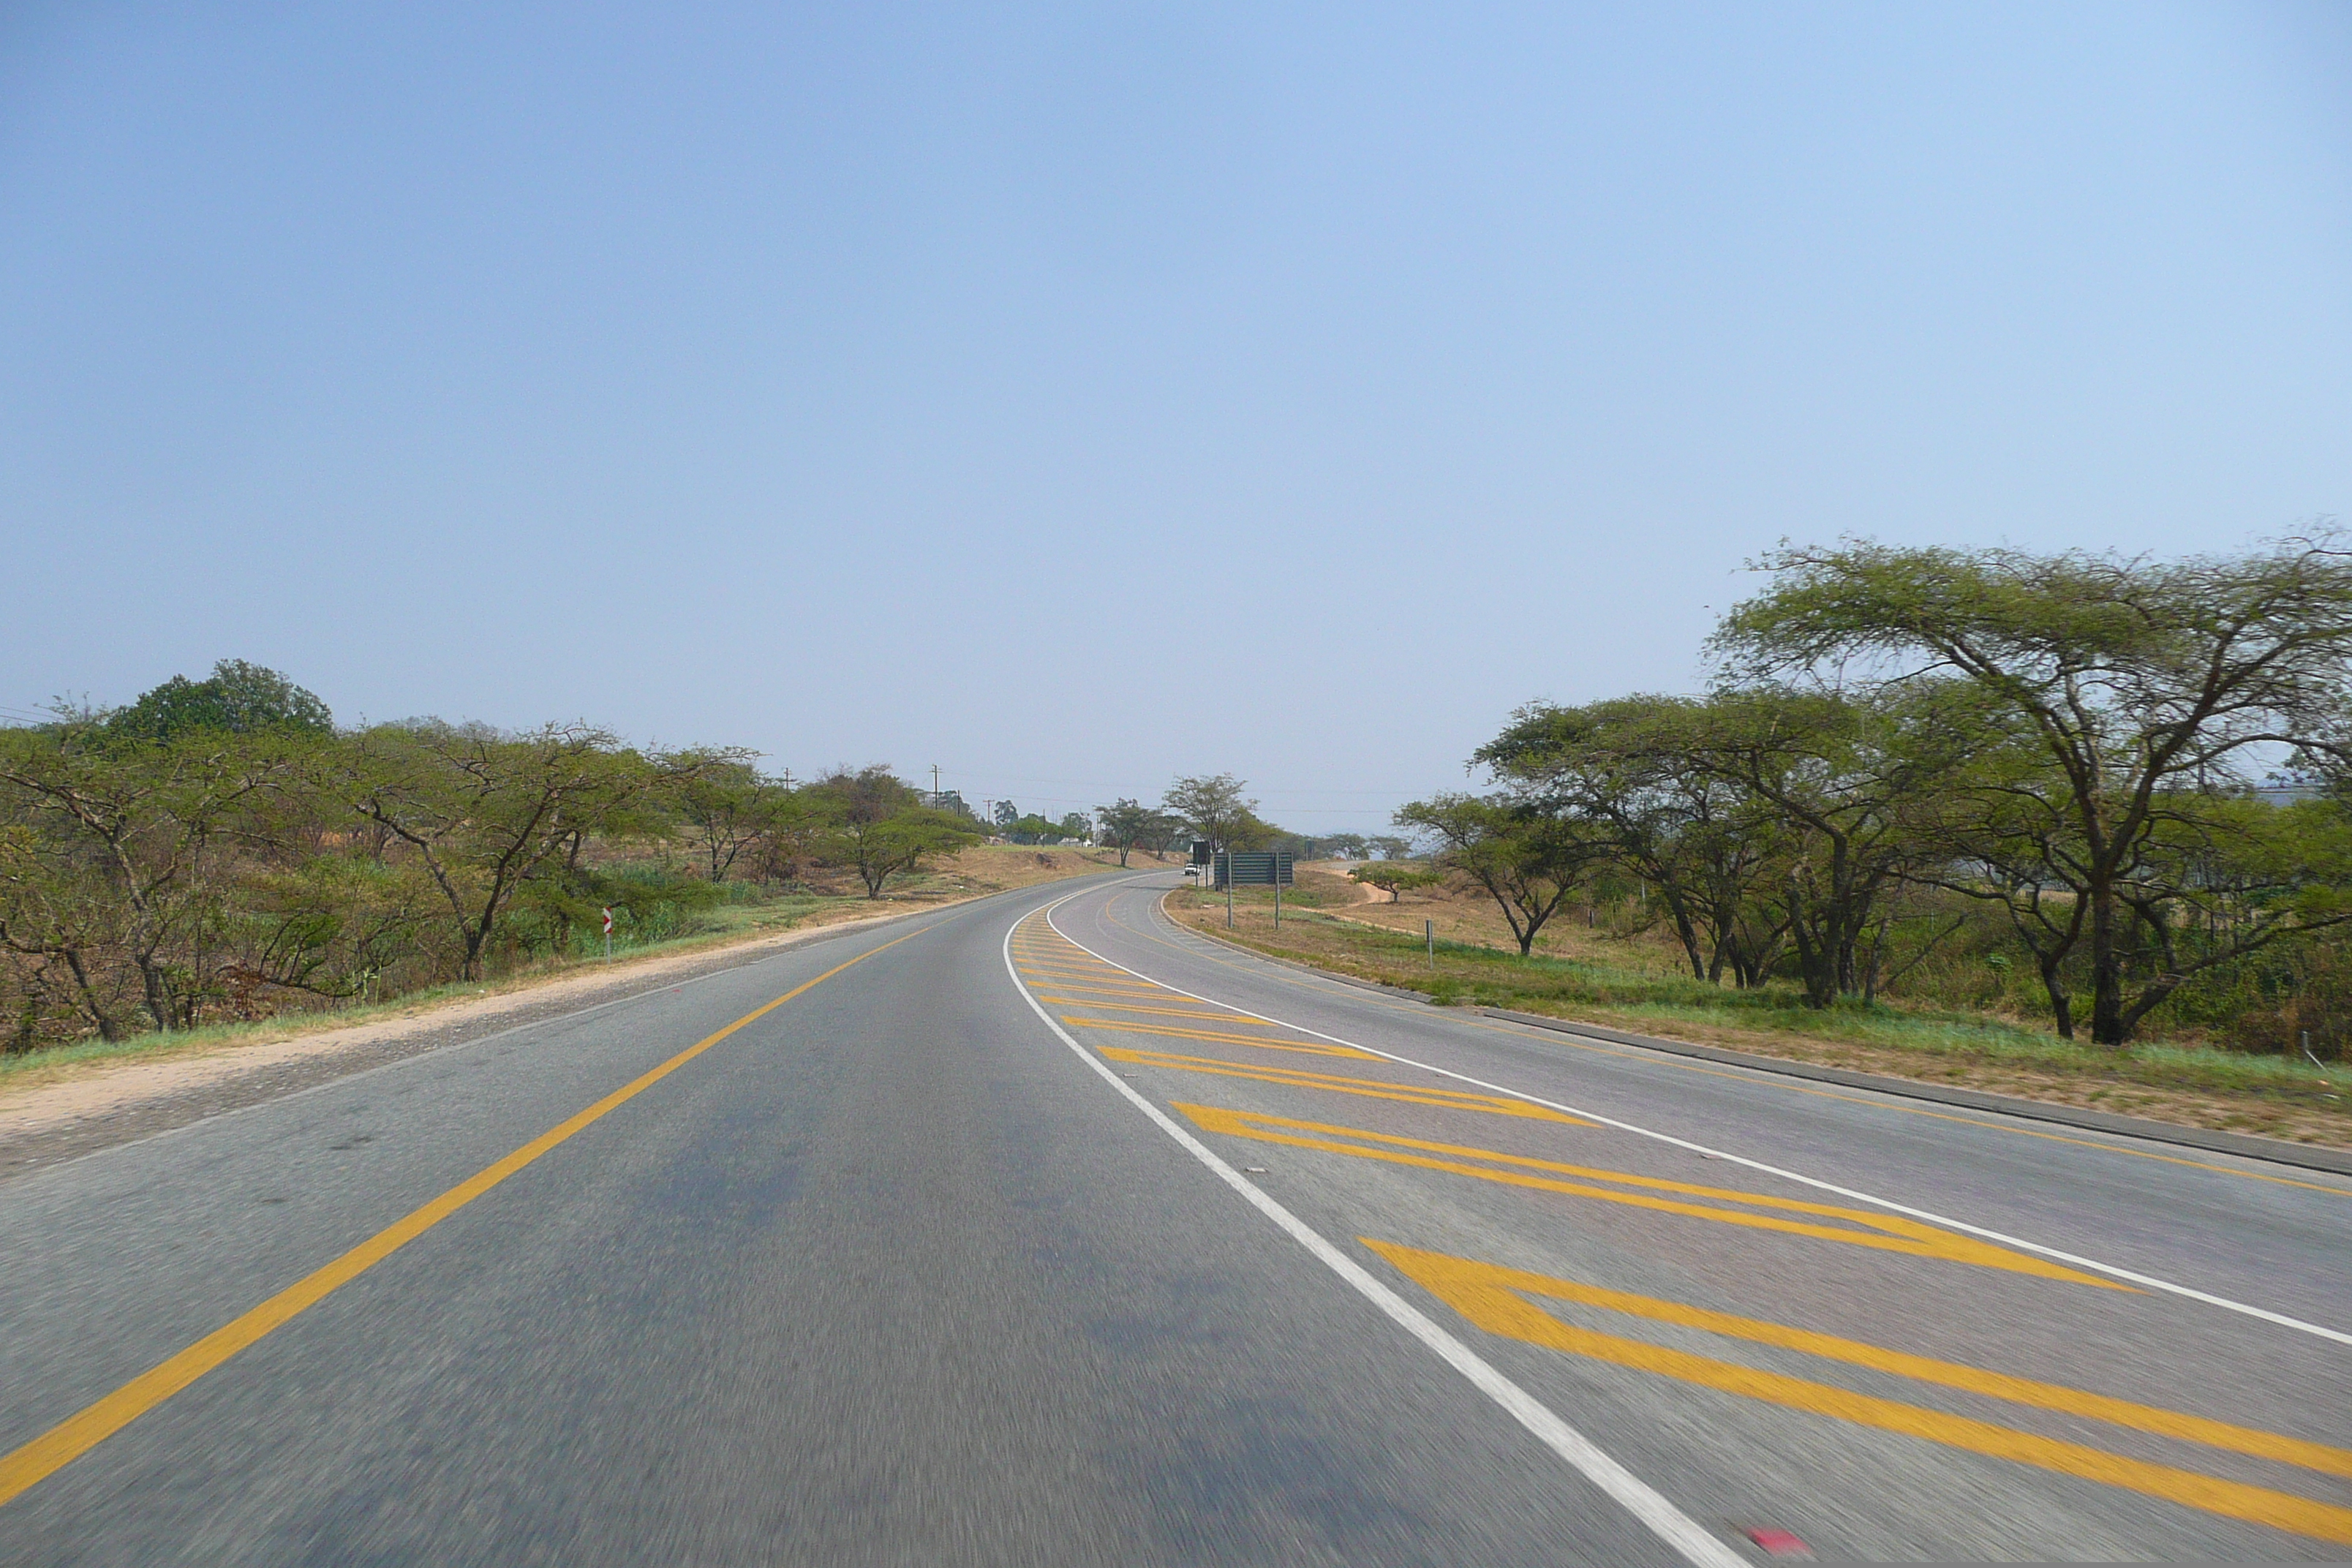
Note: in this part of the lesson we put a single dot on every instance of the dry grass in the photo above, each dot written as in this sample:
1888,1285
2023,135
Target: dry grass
999,868
1586,974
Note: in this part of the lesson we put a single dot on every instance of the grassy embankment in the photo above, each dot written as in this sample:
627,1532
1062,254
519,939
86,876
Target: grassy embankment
1630,982
747,916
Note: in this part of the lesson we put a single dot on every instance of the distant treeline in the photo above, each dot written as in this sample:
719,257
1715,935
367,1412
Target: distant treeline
2028,779
219,849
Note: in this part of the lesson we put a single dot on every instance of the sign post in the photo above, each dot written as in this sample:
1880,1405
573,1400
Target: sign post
1429,929
608,936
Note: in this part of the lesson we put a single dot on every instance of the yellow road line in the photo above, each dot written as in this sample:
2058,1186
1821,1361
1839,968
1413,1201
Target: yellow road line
77,1433
1886,1233
1121,1026
1486,1296
1165,1012
1064,990
1370,1089
2152,1418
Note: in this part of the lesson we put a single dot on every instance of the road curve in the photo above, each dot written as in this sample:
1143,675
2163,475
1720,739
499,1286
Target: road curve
1037,1230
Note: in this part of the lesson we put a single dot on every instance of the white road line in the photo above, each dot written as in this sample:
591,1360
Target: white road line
1665,1521
2146,1280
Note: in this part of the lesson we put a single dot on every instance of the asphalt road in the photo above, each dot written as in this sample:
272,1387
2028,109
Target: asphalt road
1072,1238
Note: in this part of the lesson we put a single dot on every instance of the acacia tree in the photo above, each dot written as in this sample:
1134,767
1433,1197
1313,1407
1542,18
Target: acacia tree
1125,825
52,910
1527,860
728,808
2142,687
1393,877
1214,807
1854,781
483,812
877,825
115,853
1623,770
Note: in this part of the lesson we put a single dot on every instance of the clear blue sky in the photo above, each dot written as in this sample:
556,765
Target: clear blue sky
1073,397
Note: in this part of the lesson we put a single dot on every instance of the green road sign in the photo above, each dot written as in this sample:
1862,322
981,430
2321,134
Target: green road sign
1254,869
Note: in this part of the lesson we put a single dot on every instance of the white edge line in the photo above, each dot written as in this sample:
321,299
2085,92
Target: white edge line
2149,1280
1663,1519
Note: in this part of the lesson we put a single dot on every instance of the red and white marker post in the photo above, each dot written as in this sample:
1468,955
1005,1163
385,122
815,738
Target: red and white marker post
608,935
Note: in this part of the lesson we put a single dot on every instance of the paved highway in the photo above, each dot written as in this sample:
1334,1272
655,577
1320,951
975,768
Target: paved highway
1036,1230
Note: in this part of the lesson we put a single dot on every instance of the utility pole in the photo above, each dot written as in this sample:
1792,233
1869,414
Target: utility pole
788,781
935,786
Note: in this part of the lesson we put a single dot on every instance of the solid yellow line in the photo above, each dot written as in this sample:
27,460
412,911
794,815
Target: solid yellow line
1887,1233
1481,1294
77,1433
2056,1396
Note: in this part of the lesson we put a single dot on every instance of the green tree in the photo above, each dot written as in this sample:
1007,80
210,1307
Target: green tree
2145,686
877,825
239,699
1623,769
58,911
728,807
1125,825
484,812
1855,783
1214,808
1393,877
1527,860
120,853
